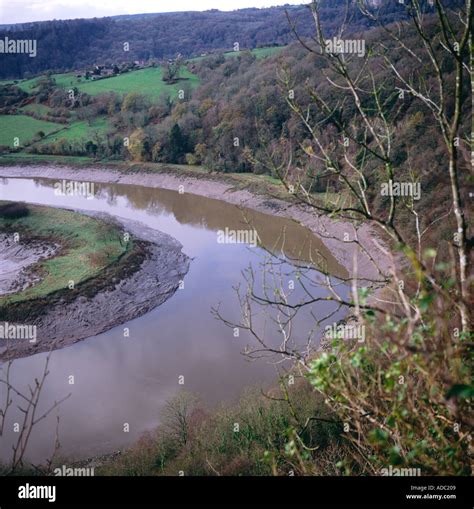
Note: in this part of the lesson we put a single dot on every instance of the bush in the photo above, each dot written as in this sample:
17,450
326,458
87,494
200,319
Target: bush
249,438
191,159
406,394
14,211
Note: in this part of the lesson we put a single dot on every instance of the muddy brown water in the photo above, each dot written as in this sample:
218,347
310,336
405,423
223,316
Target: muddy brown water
119,379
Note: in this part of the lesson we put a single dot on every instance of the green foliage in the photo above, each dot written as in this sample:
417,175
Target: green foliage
133,102
406,393
139,146
88,245
178,145
172,70
249,438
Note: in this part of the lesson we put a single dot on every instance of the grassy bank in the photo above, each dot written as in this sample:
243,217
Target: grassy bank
25,158
88,247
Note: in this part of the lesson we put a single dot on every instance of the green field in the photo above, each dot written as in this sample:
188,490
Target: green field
145,81
26,85
79,131
24,128
88,246
39,109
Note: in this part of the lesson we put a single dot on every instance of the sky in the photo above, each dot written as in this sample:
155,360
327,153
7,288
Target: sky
22,11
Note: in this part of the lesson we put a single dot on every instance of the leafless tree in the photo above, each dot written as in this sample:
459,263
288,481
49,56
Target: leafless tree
28,406
177,414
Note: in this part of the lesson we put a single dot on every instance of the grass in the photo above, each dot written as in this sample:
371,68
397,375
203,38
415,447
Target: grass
144,81
147,81
257,52
26,85
88,246
81,130
39,109
24,157
24,128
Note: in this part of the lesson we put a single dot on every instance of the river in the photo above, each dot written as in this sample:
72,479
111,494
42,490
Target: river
119,379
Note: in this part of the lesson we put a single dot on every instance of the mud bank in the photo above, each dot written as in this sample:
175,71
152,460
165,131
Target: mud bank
340,237
17,260
65,322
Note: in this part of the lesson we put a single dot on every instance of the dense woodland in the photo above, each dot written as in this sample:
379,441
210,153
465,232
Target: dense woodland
74,44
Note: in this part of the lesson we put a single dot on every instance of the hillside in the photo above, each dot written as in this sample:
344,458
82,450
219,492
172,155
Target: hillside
69,45
227,97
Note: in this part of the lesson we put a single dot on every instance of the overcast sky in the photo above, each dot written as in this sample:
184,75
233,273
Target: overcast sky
20,11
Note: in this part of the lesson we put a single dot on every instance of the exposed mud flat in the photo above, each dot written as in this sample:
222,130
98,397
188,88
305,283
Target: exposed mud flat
16,261
155,281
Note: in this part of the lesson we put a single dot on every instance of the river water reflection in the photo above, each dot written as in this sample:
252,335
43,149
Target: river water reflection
121,380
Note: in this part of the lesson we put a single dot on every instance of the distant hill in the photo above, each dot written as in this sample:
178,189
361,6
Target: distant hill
74,44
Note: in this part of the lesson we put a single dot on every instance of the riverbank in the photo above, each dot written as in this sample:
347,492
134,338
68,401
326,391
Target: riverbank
17,259
353,248
142,279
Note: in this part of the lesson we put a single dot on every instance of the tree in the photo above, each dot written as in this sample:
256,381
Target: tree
32,413
91,148
177,145
177,416
139,146
172,69
134,102
405,393
200,152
